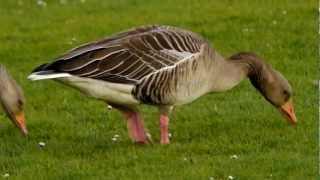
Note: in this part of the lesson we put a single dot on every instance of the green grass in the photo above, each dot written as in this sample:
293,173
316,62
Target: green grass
78,130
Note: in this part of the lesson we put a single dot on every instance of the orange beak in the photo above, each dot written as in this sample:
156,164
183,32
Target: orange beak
19,121
288,112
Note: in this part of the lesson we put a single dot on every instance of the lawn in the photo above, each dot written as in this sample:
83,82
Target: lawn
206,134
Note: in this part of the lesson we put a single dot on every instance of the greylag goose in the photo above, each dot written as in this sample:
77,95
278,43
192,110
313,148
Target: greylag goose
162,66
12,99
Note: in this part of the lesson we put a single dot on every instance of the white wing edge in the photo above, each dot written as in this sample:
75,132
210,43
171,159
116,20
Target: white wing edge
41,75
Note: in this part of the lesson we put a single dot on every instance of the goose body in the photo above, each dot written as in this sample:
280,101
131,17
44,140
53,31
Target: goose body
158,65
151,64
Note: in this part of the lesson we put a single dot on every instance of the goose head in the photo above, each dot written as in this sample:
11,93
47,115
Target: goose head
277,90
12,100
274,87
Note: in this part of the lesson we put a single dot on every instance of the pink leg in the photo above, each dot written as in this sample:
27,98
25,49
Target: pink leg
164,129
136,128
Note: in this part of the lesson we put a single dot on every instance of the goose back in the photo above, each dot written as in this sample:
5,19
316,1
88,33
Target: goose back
129,56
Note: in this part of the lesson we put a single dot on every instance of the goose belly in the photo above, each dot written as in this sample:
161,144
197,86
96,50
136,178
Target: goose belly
106,91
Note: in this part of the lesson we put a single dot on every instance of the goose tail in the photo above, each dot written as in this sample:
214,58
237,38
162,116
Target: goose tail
40,73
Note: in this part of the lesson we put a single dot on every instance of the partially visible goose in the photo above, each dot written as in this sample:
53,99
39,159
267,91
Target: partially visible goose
12,99
162,66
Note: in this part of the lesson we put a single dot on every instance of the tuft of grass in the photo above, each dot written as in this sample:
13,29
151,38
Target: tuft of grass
78,130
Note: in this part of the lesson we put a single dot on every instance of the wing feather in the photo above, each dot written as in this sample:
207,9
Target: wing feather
129,56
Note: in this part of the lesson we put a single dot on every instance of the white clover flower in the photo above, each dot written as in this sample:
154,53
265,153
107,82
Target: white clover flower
149,136
234,156
41,3
42,144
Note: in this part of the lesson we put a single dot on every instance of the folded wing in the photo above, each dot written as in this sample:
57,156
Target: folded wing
129,56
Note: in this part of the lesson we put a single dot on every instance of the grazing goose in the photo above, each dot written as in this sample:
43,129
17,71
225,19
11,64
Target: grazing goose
162,66
12,99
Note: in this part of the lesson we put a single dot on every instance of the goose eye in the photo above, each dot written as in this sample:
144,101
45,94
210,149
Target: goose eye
286,94
20,103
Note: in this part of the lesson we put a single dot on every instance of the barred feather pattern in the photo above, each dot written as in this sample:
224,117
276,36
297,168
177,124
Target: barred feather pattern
179,84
